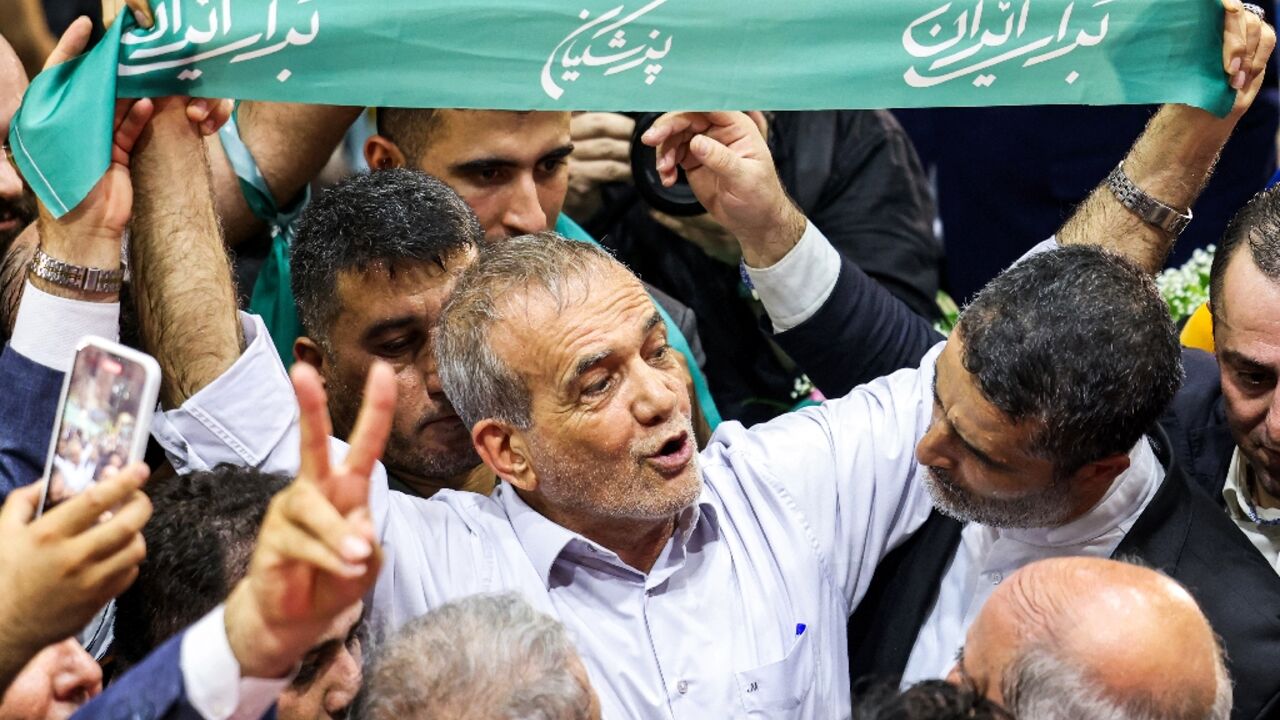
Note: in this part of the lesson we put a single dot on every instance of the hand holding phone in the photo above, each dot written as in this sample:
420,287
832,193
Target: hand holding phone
60,569
103,418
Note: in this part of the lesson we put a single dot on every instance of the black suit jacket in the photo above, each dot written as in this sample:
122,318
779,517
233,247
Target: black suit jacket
861,332
1181,533
1197,425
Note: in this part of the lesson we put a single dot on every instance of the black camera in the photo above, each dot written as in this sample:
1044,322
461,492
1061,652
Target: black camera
677,200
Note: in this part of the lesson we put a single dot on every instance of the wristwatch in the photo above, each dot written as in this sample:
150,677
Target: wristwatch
1151,210
75,277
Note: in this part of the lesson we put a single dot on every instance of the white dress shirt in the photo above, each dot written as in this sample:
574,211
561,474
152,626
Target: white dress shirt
46,331
1243,512
986,556
792,291
744,612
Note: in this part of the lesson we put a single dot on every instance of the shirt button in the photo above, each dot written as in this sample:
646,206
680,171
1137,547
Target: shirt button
682,687
996,578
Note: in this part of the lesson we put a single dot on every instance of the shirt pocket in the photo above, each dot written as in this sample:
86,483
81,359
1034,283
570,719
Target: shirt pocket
779,686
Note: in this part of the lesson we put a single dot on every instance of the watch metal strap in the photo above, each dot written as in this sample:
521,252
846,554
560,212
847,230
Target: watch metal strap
1151,210
75,277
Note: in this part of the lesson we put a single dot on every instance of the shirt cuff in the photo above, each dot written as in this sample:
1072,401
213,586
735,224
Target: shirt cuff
242,417
48,327
794,288
212,679
1042,246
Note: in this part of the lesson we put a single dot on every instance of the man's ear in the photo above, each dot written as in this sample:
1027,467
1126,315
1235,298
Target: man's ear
382,154
306,350
1093,480
505,451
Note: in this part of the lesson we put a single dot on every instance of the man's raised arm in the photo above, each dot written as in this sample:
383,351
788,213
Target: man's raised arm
181,275
289,142
1175,155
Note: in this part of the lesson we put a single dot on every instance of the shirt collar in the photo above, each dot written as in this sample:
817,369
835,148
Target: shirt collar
1237,495
544,541
1119,508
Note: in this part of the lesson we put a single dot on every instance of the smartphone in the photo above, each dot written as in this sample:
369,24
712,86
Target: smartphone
103,419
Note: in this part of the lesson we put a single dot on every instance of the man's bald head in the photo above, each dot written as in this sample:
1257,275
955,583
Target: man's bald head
1090,638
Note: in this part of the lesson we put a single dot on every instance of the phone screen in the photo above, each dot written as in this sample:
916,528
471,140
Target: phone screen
99,421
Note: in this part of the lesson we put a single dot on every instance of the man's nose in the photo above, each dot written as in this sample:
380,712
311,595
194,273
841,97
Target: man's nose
929,451
657,395
430,370
524,213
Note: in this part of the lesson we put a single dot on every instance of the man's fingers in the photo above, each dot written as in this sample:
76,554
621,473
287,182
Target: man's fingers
1266,46
310,513
1232,38
602,170
292,544
209,114
586,126
72,43
120,530
19,508
219,114
82,511
108,575
141,12
601,149
711,153
130,129
313,423
373,425
673,124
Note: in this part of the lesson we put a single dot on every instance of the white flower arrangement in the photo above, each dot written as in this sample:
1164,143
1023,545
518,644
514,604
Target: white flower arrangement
1186,288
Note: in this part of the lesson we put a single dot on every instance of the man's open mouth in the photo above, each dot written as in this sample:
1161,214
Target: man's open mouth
673,455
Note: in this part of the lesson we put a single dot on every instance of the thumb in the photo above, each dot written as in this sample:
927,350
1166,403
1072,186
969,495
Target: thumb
19,508
720,159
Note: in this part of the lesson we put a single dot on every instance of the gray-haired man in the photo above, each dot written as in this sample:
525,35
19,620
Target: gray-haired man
711,585
490,656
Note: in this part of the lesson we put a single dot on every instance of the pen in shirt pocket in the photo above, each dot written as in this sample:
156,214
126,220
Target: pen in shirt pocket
800,628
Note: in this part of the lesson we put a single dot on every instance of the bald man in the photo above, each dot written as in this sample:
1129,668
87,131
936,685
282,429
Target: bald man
1084,638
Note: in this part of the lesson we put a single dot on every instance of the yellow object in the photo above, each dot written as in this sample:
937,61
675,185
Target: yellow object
1198,332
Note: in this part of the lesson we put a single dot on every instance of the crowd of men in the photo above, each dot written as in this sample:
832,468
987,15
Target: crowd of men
505,477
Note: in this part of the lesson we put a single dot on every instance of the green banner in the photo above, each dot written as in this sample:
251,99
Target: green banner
637,55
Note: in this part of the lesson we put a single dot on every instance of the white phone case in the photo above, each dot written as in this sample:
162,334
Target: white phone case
146,403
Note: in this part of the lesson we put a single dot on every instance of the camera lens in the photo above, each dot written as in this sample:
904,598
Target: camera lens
678,199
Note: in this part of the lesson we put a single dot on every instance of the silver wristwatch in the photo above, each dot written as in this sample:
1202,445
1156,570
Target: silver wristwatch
1151,210
75,277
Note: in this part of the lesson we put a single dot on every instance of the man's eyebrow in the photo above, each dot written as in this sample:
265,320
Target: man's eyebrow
561,152
394,323
588,362
654,320
1237,358
482,164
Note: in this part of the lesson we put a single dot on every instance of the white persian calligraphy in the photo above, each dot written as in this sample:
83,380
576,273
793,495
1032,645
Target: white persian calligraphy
1005,24
171,43
577,50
